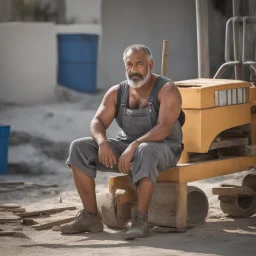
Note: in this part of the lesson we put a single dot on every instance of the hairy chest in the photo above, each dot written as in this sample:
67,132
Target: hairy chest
138,102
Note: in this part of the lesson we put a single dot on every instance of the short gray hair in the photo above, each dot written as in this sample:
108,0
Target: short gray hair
138,47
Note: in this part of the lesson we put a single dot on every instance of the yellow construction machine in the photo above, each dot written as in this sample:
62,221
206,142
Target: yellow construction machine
219,136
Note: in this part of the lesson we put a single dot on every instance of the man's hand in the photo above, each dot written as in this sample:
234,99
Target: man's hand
106,155
124,162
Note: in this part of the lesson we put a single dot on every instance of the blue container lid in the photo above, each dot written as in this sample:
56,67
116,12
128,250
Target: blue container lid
5,130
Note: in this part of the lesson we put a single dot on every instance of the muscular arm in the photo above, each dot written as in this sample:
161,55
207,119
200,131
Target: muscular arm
104,115
170,107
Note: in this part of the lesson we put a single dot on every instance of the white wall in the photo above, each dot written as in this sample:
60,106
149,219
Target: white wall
84,11
28,62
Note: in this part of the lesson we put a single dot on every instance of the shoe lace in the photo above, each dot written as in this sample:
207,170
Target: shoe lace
79,215
137,220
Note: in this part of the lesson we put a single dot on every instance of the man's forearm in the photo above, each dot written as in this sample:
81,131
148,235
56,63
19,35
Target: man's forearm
157,133
98,131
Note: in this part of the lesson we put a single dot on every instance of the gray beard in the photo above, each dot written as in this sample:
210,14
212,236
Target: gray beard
138,84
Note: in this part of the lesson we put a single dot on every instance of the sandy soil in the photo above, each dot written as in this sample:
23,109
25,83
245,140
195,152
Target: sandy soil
215,237
39,146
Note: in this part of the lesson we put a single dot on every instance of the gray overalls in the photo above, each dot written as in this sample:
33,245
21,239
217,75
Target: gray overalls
150,157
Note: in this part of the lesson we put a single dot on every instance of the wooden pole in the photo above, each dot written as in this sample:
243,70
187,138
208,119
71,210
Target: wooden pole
202,38
164,67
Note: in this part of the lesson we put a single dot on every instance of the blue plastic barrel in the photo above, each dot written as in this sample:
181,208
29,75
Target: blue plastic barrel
77,61
4,138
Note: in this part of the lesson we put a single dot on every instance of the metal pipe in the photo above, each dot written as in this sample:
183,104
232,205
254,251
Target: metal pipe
238,68
227,40
244,39
251,64
224,67
202,38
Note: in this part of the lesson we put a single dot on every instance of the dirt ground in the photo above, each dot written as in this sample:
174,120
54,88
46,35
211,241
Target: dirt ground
215,237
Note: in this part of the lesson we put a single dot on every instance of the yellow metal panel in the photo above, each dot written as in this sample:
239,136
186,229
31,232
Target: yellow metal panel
200,93
209,82
192,130
191,98
216,120
252,94
202,126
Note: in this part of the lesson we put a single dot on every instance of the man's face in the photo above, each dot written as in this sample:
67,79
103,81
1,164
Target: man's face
138,68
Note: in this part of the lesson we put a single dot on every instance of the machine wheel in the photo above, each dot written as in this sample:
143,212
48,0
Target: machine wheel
250,181
241,206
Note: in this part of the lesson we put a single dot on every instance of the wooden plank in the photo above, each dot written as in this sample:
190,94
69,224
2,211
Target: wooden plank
46,210
44,221
29,221
207,169
52,221
164,66
7,233
9,205
229,143
181,206
13,210
13,233
120,182
233,191
12,183
7,217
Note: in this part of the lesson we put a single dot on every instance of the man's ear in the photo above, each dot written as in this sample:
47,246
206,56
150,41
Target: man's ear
151,64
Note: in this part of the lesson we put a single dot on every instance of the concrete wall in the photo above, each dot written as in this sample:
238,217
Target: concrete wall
28,62
84,11
149,23
5,10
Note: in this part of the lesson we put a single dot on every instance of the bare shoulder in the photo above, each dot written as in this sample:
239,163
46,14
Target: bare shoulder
111,94
169,90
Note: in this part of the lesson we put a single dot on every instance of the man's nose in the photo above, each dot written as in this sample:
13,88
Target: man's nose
134,69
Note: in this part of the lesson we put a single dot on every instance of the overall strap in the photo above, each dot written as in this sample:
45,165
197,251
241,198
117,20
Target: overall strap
122,95
153,98
160,81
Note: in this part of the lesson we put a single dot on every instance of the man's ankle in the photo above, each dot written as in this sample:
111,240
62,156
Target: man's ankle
93,213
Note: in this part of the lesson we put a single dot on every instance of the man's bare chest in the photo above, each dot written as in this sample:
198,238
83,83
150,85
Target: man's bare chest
138,102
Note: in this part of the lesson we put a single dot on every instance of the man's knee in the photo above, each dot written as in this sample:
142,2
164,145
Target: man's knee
145,149
80,143
84,147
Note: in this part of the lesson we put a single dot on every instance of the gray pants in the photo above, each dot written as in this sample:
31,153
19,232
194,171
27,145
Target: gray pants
149,158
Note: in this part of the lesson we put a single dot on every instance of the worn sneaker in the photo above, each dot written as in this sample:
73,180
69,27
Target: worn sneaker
139,227
84,222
